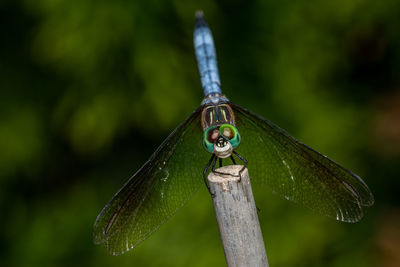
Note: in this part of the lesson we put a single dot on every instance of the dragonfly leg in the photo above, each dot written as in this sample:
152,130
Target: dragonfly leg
233,160
212,159
217,172
213,167
214,163
241,158
244,166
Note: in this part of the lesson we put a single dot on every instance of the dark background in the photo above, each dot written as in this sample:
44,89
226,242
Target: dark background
89,89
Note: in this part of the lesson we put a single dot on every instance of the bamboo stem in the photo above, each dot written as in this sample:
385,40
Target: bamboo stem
237,217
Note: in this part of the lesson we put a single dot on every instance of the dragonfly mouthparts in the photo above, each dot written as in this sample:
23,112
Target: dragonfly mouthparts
222,148
221,142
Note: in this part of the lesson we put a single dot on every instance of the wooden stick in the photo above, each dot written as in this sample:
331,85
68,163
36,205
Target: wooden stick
237,217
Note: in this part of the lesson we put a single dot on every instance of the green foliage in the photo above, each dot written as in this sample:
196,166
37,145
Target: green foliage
89,89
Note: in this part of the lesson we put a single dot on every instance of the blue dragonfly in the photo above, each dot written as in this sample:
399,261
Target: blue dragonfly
276,160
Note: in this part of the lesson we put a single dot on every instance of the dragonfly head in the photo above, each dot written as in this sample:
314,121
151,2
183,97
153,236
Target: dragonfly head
221,140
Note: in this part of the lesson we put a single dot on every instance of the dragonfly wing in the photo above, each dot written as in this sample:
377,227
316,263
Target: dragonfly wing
297,172
161,187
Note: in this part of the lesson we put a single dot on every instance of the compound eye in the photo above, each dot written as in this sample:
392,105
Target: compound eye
209,138
231,133
212,135
228,133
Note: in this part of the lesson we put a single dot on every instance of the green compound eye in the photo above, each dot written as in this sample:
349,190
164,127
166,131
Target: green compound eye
209,138
230,132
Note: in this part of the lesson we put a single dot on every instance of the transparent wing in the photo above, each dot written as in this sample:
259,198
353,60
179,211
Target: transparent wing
297,172
162,186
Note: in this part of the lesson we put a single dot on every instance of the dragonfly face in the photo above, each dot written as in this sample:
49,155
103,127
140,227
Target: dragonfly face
220,137
277,161
221,140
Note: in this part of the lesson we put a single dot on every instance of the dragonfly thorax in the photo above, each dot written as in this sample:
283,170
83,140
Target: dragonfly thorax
217,114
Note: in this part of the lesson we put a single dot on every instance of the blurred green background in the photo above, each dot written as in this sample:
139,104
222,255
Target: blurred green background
89,89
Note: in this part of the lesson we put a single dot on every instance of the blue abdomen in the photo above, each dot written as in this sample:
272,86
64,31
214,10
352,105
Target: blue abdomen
206,57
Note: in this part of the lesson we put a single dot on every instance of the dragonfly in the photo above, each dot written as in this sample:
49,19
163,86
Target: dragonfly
276,160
